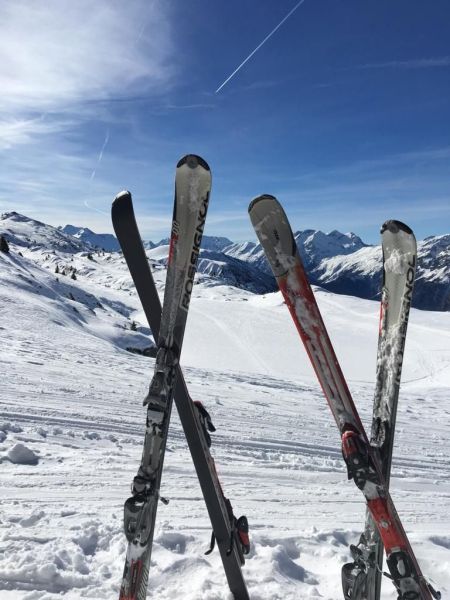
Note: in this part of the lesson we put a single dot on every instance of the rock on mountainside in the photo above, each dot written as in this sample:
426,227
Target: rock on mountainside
433,284
313,246
235,272
222,268
359,274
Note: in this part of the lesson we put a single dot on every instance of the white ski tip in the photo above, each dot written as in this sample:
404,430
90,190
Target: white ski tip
123,193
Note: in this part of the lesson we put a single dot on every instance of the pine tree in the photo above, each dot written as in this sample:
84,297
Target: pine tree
4,247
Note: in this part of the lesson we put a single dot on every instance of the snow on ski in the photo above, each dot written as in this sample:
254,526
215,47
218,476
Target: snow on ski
361,579
227,535
192,189
275,235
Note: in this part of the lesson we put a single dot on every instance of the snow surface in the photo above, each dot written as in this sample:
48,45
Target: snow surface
72,395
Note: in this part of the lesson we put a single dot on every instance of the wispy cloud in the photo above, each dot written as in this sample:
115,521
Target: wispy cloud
58,54
52,183
268,36
418,63
63,65
21,130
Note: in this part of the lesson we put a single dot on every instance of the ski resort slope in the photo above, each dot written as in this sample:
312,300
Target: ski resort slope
72,424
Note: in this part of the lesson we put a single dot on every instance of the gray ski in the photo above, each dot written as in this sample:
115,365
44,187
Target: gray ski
225,525
192,189
361,579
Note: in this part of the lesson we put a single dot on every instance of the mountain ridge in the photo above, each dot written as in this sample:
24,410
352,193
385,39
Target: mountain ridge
339,262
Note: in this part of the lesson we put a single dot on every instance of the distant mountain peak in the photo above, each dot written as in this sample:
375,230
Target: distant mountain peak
19,218
105,241
26,232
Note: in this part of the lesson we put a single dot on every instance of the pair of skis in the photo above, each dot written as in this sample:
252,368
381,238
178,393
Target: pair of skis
192,190
364,461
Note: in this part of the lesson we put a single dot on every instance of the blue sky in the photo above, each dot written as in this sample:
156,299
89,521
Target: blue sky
343,113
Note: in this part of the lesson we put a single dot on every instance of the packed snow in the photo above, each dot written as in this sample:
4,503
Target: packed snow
72,425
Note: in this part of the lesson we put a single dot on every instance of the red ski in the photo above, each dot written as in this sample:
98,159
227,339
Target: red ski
363,465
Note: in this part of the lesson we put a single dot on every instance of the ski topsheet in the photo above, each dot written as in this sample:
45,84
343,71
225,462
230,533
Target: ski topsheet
192,189
399,271
223,526
362,578
363,465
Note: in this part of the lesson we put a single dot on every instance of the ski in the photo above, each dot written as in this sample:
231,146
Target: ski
361,579
363,465
230,540
192,188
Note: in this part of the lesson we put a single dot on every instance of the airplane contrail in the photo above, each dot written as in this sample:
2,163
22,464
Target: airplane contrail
91,178
85,202
259,46
100,156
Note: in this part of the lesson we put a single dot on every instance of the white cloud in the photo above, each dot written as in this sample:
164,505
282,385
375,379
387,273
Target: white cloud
59,54
14,131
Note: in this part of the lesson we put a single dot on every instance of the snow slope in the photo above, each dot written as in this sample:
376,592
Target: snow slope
72,396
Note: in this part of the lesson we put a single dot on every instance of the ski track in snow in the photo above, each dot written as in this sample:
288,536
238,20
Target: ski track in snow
73,397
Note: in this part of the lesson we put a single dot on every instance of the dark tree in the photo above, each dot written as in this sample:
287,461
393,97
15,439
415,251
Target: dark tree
4,247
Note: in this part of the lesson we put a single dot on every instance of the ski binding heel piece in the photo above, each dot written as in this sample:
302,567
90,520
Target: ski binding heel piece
354,580
357,459
242,531
136,509
404,576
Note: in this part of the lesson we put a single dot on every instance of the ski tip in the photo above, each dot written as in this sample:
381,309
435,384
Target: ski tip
395,226
193,161
259,199
121,196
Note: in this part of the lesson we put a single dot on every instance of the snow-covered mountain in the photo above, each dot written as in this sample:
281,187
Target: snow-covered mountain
341,263
72,425
222,268
209,242
313,245
359,273
102,241
29,233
